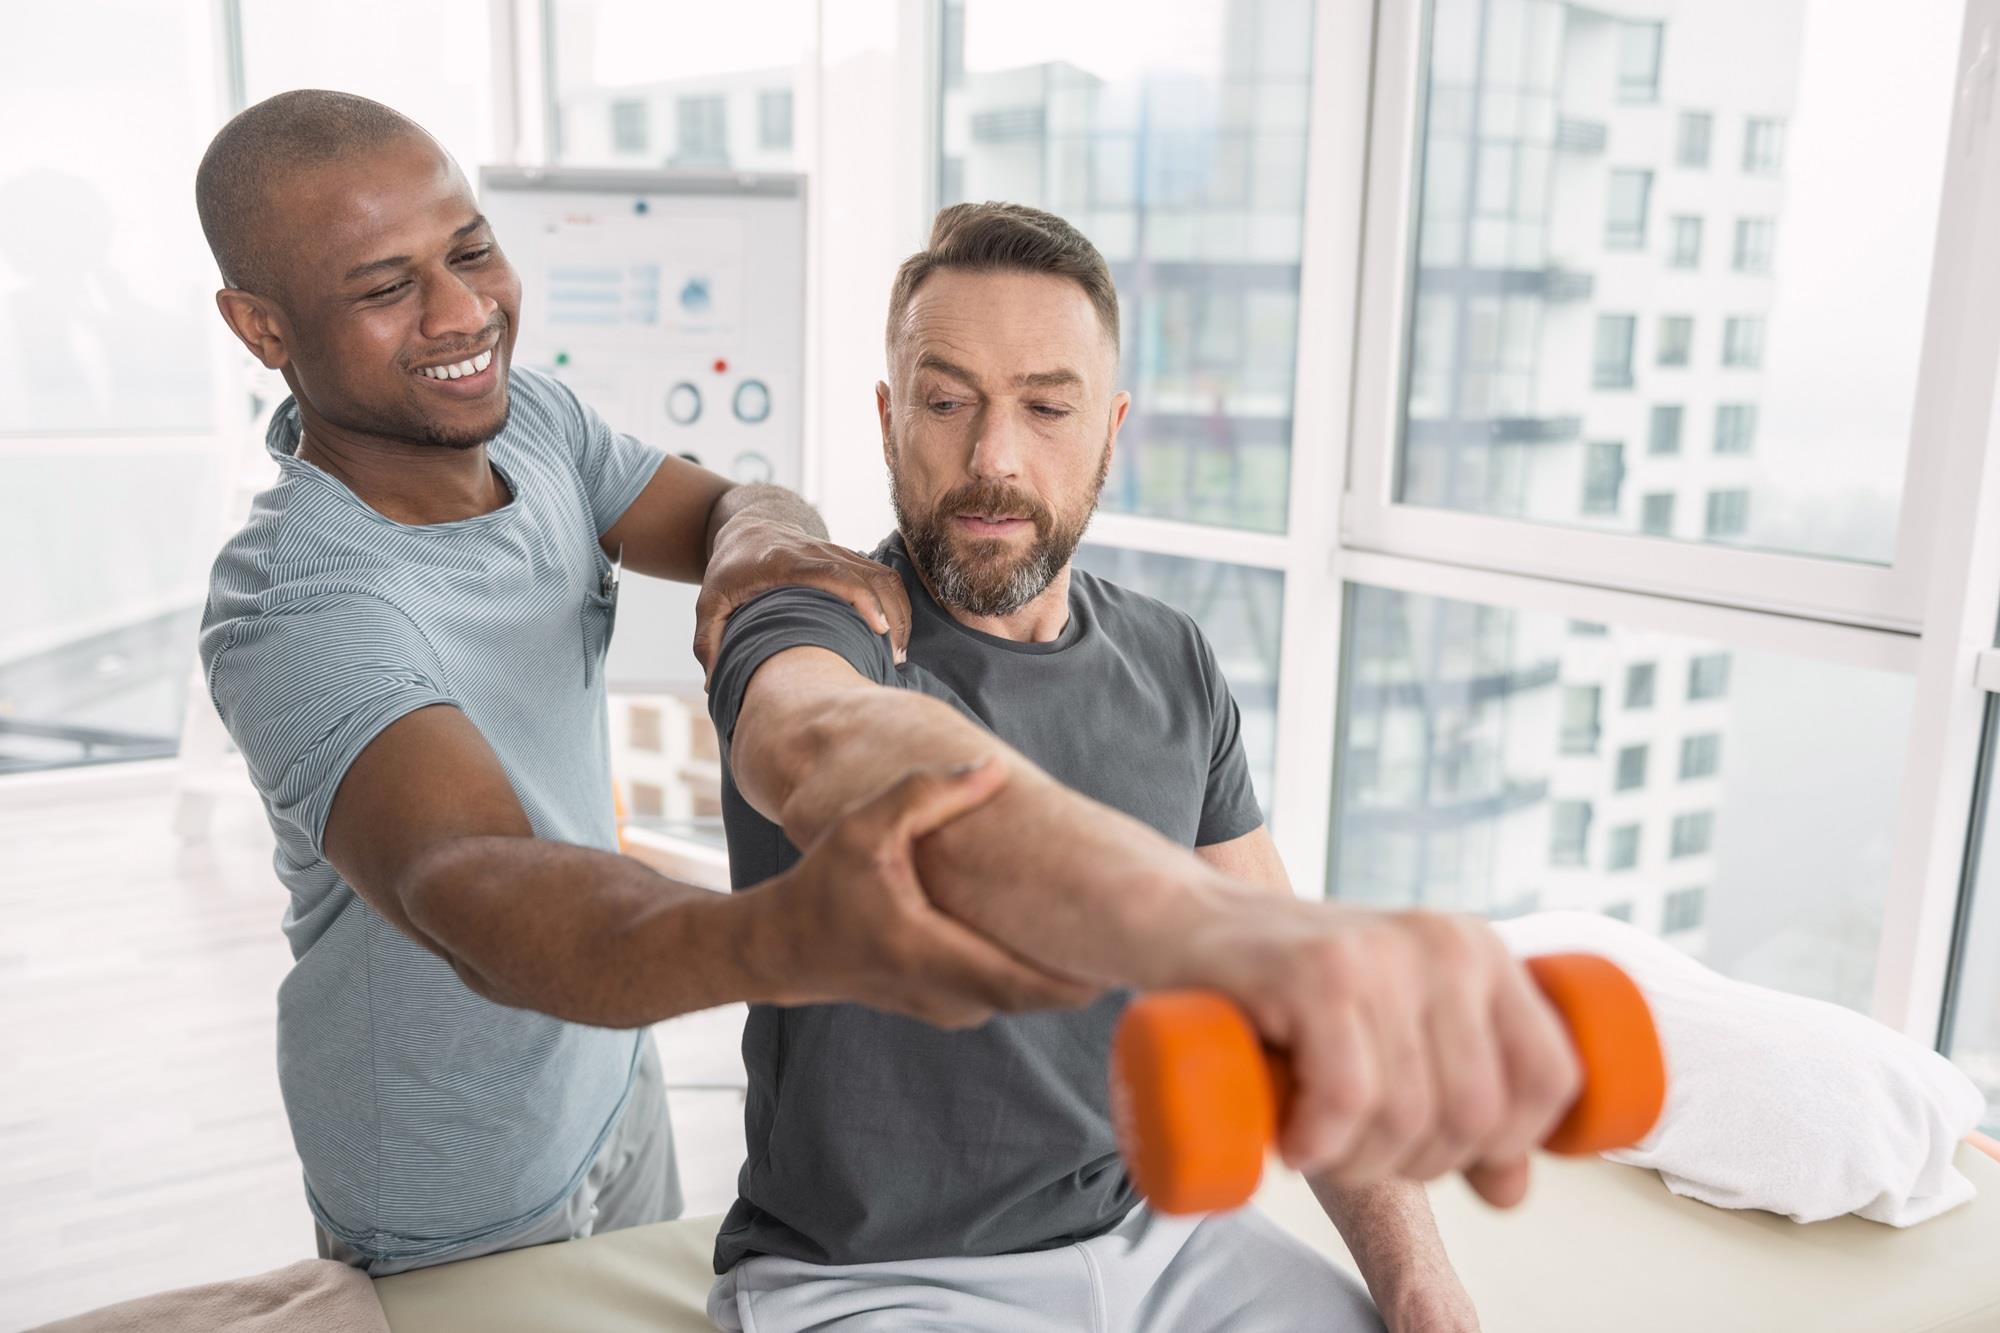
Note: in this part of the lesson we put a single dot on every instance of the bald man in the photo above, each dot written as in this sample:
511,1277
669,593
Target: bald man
406,641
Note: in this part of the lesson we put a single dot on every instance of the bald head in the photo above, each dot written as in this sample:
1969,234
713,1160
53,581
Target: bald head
251,159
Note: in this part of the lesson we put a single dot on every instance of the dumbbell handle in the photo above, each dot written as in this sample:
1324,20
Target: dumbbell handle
1197,1098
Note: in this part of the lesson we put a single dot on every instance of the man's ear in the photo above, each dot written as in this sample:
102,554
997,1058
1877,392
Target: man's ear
256,323
1121,404
882,413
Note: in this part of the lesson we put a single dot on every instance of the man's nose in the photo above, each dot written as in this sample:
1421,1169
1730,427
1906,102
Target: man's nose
998,448
454,309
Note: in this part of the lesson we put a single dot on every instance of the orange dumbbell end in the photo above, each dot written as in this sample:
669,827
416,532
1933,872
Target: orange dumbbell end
1193,1099
1617,1047
1197,1100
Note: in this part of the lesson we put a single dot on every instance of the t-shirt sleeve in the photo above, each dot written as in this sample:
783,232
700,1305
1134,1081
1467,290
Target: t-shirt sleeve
305,688
615,467
1229,806
789,618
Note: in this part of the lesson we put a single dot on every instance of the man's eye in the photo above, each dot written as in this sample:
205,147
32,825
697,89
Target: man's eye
390,290
942,405
473,256
1051,411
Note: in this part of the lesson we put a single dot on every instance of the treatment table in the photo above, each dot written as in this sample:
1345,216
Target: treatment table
1596,1247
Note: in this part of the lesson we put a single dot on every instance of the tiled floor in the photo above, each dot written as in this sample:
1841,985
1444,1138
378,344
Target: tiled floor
142,1142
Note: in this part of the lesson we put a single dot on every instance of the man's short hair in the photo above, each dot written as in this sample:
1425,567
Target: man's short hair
994,237
247,163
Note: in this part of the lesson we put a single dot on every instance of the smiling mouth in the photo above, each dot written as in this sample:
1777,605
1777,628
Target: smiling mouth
458,370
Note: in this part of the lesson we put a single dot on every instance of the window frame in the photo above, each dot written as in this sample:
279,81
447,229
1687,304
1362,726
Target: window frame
1939,592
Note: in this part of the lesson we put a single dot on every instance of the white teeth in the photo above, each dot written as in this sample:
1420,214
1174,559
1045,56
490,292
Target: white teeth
462,369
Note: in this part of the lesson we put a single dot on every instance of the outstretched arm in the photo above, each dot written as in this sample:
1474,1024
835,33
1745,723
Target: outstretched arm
1379,1011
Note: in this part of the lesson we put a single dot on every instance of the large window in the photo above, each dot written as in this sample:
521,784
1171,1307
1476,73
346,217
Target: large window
111,456
635,83
1178,147
1424,678
1843,297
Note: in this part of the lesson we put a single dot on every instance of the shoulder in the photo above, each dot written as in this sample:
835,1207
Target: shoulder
543,411
1132,617
305,572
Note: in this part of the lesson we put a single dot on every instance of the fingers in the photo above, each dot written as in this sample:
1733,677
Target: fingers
1469,1077
1540,1076
711,617
1338,1083
1502,1185
874,591
968,978
1405,1114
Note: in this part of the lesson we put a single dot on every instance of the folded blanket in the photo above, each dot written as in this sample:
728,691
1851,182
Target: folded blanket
1778,1102
311,1296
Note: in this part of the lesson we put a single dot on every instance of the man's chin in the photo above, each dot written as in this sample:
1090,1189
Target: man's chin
461,435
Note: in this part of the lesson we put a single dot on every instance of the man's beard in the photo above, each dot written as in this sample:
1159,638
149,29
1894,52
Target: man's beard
982,576
407,422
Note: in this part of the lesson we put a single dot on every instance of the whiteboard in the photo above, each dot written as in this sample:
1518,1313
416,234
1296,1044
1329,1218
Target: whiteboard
673,303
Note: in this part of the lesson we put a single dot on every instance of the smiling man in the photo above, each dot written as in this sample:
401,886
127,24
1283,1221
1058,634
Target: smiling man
406,641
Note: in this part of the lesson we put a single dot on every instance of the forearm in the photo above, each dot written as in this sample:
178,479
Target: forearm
769,504
584,935
1066,883
1392,1235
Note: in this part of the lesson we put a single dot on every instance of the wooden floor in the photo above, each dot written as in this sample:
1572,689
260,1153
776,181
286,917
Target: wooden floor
142,1141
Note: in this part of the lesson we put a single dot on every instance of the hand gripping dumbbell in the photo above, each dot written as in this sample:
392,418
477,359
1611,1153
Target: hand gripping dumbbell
1197,1098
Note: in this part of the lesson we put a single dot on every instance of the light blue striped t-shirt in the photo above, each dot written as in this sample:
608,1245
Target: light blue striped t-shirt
425,1116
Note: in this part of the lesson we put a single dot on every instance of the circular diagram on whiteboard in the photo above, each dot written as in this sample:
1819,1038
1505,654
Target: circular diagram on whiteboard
684,403
752,467
753,401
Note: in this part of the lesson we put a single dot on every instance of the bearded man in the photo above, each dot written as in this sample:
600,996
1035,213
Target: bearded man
901,1176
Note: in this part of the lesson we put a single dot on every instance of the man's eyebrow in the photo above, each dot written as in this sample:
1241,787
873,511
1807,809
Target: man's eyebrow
1040,379
932,361
401,261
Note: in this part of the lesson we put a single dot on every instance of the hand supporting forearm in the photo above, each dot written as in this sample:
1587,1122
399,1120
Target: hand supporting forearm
584,935
1068,884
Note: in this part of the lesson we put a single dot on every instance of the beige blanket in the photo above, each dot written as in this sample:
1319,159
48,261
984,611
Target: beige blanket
311,1296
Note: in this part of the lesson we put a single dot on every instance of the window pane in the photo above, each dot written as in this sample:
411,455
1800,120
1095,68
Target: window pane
1696,127
1972,1034
1771,867
437,70
1625,215
105,281
1178,147
1676,340
1239,610
1811,160
649,85
106,327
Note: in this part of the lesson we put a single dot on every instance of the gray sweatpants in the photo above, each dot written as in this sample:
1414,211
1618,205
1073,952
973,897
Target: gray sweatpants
633,1180
1224,1273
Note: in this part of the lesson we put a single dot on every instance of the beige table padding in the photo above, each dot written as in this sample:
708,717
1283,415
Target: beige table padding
1596,1248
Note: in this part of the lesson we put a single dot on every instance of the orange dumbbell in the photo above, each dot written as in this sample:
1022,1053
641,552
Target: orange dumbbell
1197,1098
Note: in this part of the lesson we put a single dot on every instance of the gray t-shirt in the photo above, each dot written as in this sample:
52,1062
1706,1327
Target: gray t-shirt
873,1137
426,1116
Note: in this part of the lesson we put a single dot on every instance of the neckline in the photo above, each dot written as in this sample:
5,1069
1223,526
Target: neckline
282,442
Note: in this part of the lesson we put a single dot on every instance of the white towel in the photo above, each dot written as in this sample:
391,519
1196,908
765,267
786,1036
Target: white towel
1775,1101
